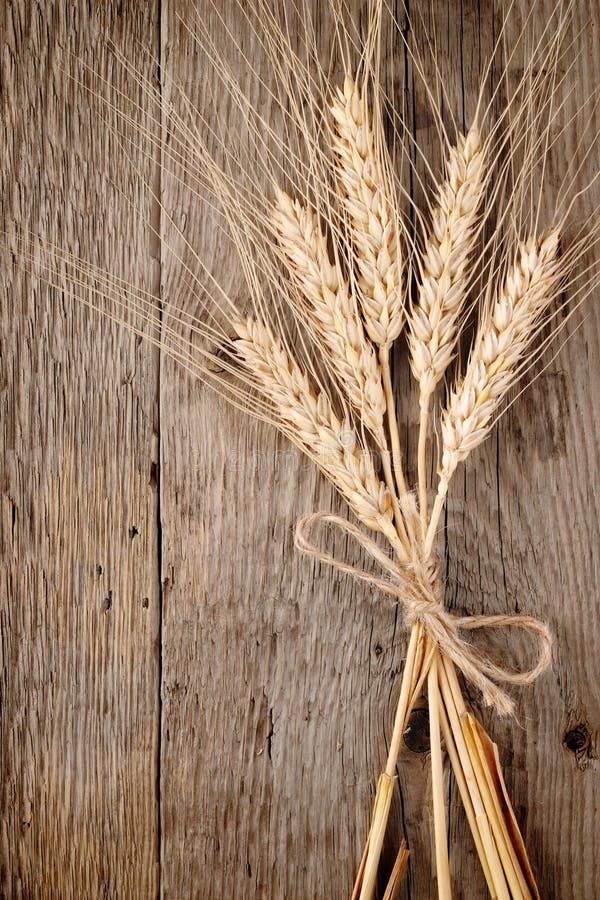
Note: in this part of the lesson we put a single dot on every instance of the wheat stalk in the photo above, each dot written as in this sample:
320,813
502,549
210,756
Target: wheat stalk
504,335
499,348
435,317
332,310
437,778
333,313
308,418
375,224
368,199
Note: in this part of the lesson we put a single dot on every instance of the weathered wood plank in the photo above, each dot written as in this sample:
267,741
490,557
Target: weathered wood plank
79,598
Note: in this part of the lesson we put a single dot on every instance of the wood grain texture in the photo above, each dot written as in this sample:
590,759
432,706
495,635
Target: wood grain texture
79,595
206,715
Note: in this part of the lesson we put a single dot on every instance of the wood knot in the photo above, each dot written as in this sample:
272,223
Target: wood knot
416,736
578,740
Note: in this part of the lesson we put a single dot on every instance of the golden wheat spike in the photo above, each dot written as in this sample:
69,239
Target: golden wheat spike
332,310
369,204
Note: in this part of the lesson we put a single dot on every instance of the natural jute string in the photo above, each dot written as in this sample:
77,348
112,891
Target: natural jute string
418,589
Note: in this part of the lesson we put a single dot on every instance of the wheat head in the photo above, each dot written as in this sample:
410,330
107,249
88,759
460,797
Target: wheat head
332,310
434,318
308,418
368,201
499,349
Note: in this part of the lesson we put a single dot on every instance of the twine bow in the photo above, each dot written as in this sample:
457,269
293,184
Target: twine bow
418,589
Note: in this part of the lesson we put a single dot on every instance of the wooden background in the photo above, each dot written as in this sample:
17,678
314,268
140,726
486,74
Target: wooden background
189,709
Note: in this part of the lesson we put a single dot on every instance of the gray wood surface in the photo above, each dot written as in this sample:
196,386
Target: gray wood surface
189,709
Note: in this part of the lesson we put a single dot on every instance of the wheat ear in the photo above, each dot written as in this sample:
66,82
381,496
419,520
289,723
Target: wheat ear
367,200
507,330
374,224
308,419
332,310
435,317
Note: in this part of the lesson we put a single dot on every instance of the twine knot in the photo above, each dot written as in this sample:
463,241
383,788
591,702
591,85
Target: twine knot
418,589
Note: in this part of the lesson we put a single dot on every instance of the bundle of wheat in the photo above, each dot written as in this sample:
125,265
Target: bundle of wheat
327,253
